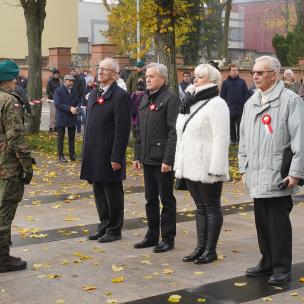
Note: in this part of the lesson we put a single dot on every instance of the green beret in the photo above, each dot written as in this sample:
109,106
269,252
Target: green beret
9,70
140,64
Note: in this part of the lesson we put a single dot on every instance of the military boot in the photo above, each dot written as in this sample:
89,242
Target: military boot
10,263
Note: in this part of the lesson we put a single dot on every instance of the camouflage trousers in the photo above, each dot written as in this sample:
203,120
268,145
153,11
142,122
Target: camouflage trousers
11,192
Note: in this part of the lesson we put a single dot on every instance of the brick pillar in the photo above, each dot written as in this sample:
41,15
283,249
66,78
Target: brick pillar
123,61
99,52
60,58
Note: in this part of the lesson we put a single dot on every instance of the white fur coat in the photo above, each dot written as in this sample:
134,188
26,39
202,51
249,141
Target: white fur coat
202,150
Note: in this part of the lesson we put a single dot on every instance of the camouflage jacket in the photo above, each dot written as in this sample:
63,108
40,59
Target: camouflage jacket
15,157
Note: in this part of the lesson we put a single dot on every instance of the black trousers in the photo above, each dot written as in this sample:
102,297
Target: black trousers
274,232
60,140
209,217
109,199
160,184
235,128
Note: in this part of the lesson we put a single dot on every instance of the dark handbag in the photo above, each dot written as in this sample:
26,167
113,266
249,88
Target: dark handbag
286,162
180,183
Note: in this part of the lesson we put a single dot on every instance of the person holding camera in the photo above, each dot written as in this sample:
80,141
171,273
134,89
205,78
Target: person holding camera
67,105
272,121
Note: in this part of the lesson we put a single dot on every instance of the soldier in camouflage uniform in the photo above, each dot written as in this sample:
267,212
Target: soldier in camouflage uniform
15,161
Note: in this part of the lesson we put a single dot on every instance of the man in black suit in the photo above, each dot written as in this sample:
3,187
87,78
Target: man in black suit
155,150
105,141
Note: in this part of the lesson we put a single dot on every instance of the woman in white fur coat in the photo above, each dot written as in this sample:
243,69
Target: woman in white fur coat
202,157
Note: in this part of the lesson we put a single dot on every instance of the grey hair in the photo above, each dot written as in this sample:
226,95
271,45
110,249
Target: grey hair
114,64
161,69
273,62
207,70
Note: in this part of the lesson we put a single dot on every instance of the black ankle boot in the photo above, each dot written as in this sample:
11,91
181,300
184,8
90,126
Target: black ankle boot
206,257
198,251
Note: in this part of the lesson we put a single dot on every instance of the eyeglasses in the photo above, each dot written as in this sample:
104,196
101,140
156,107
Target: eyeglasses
259,73
104,69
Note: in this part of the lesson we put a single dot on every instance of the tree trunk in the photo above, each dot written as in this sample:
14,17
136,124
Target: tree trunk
226,29
34,13
300,12
165,40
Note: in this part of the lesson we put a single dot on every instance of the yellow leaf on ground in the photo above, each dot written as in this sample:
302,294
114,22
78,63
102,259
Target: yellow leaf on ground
198,272
71,218
60,301
201,300
294,294
112,301
301,279
53,276
73,196
82,256
88,287
168,271
267,299
37,266
240,284
117,268
118,279
108,293
175,298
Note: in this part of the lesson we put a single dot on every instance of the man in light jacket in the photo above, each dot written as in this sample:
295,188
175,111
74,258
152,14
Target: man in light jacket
272,120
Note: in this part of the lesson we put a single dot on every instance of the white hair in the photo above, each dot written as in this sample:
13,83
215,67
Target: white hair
207,70
114,64
160,68
290,72
273,62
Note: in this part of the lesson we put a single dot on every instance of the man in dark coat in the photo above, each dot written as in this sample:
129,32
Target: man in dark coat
155,150
235,92
106,138
67,104
52,84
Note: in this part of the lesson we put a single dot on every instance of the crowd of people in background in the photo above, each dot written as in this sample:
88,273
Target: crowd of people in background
185,136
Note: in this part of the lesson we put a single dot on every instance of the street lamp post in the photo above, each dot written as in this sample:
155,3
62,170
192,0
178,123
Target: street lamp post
138,30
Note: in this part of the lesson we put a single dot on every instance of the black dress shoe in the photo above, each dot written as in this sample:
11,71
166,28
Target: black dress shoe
146,242
206,257
279,278
257,271
198,251
163,246
72,158
62,159
107,238
95,236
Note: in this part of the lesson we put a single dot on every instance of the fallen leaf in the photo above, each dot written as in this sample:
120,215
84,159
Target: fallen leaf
117,268
240,284
267,299
108,293
88,288
294,294
82,256
112,301
175,298
201,300
198,273
71,218
118,279
60,301
301,279
53,276
37,266
168,271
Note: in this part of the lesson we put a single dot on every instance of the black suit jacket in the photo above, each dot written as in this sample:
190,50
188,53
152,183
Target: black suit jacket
106,136
156,133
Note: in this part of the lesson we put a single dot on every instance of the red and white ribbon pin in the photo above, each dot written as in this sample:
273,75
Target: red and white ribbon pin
266,120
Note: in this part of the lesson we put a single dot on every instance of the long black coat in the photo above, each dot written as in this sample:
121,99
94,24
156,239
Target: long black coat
63,102
155,132
106,136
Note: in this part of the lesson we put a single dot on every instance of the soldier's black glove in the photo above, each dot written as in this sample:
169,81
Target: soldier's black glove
27,177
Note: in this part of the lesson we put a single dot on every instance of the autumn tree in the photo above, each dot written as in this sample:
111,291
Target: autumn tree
34,13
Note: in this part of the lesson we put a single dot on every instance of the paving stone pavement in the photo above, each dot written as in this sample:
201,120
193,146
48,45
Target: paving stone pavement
50,231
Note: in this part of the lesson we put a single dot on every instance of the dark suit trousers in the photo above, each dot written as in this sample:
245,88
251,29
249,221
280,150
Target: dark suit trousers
235,128
160,184
109,199
274,232
60,140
